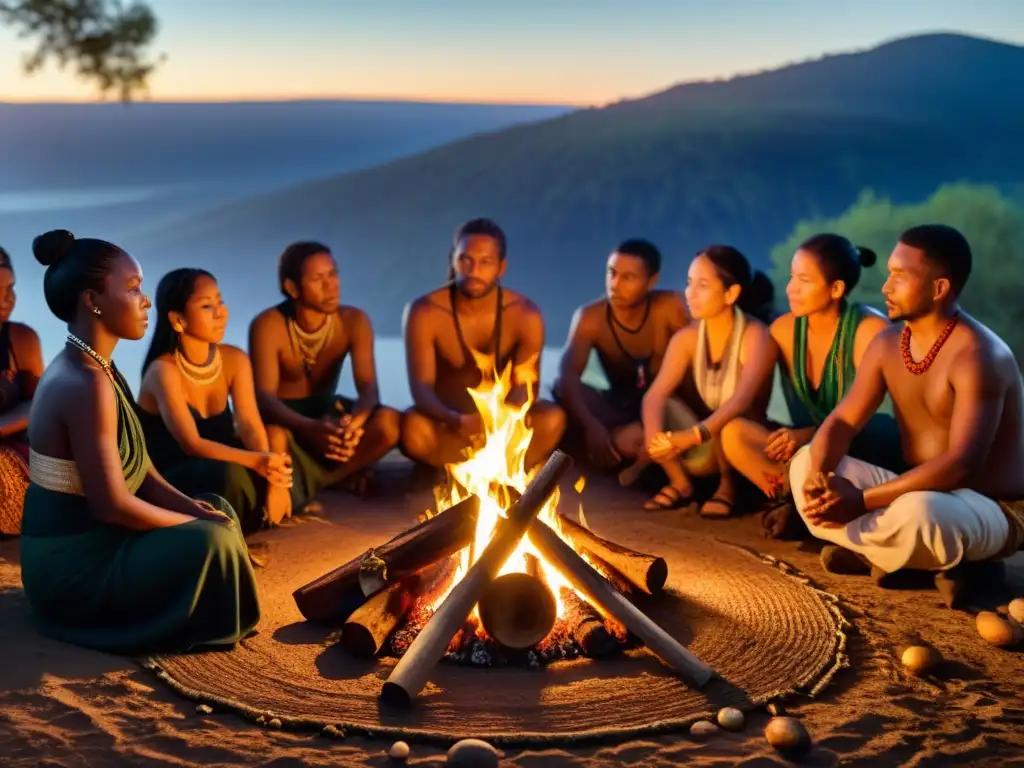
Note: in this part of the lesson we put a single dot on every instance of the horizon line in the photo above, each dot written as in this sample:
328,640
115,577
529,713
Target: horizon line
283,99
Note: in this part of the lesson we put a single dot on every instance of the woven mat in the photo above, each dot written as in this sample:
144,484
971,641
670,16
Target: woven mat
758,623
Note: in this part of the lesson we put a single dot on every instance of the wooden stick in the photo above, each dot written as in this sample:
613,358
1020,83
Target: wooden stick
410,675
586,626
588,581
518,610
333,596
647,572
371,624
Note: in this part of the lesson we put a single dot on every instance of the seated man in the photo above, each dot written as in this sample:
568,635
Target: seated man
298,348
957,393
630,330
448,330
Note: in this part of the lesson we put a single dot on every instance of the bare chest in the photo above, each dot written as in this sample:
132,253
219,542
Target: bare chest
305,362
457,345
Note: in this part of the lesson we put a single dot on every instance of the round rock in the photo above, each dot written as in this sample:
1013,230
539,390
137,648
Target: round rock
702,729
787,735
399,751
998,631
1016,610
920,659
473,753
730,718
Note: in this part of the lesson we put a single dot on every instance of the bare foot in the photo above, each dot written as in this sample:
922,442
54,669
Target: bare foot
720,504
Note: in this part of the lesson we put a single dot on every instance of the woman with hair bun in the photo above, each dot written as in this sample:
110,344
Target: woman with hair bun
21,365
112,556
822,339
714,371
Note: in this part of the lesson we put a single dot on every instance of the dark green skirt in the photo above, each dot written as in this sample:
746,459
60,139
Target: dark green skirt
178,589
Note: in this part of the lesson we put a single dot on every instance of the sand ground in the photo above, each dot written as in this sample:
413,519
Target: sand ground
64,706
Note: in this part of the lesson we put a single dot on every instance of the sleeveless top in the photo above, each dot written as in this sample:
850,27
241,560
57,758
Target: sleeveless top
61,475
716,383
806,403
164,450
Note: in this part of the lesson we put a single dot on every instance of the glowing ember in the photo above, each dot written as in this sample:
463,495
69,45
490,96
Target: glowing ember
490,473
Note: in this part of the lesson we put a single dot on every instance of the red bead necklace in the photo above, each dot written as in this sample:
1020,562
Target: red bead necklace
908,360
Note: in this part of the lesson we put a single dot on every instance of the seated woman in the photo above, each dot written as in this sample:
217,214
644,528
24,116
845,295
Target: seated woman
21,365
822,339
112,556
194,439
714,371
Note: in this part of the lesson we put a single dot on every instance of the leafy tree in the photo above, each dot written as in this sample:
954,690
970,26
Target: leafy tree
992,223
106,40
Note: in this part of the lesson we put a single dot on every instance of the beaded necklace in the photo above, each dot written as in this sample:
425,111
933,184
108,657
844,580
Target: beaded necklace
204,374
310,345
917,368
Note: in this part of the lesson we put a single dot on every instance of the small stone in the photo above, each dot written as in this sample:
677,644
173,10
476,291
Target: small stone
1016,610
731,719
998,631
920,659
473,753
204,709
775,708
787,735
275,723
702,729
399,751
329,731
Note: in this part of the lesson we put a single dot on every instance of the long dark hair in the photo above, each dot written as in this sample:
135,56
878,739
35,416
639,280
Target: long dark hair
757,293
5,260
839,259
172,294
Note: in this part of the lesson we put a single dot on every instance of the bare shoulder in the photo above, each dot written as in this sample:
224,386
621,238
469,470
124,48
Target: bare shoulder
670,304
23,335
233,356
268,322
755,332
437,300
781,328
353,317
981,346
685,339
520,306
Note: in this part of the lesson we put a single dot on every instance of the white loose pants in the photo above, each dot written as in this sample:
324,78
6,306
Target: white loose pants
923,530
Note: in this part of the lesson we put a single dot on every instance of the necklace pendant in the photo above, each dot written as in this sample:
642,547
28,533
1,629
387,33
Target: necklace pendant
641,377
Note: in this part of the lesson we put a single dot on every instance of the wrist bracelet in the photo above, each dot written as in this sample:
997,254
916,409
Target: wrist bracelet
703,433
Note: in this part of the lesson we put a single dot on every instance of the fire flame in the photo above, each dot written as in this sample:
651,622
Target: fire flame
489,474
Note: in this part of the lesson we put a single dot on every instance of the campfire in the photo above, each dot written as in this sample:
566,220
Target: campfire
496,574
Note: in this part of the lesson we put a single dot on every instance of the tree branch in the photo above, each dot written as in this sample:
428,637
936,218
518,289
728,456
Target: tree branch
105,40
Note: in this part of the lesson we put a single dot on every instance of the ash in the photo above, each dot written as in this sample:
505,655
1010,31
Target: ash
471,647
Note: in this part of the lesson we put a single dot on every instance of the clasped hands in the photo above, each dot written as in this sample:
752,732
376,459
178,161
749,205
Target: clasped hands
832,501
335,438
667,445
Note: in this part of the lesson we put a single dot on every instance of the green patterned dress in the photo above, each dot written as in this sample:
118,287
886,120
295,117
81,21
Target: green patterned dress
879,442
103,586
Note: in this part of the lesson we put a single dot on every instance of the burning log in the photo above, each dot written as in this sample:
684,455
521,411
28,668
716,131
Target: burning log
336,594
586,626
647,572
518,610
370,625
409,676
588,581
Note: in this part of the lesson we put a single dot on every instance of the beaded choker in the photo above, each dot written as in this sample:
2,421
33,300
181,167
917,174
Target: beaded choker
204,374
920,367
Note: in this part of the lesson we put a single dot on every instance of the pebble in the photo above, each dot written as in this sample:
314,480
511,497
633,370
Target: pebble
997,631
1016,609
275,723
703,729
473,753
919,659
787,735
731,719
204,709
399,751
775,708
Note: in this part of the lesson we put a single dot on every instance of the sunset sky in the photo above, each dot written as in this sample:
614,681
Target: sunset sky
553,51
